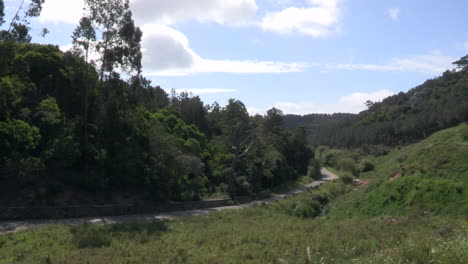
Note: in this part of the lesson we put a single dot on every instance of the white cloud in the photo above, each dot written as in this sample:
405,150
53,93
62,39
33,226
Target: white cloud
66,48
433,63
166,52
394,13
166,12
235,12
319,19
353,103
165,48
69,11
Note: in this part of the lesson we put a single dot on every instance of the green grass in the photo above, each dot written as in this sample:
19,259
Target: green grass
253,235
434,178
419,218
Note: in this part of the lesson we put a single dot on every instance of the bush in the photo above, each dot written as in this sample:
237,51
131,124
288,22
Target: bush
348,165
329,159
306,209
347,178
313,170
367,165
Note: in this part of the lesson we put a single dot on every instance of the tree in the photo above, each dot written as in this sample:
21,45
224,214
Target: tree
191,110
462,63
369,104
274,121
83,36
119,45
2,12
18,29
237,127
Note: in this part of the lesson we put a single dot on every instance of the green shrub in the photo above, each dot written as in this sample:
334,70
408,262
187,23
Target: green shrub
329,159
313,170
347,178
348,165
367,165
306,209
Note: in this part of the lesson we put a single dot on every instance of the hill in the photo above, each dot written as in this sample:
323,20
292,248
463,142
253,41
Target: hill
430,176
403,118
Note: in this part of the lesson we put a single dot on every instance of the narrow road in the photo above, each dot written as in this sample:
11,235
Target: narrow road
15,226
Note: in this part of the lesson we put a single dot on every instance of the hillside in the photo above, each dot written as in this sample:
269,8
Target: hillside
403,118
430,176
416,217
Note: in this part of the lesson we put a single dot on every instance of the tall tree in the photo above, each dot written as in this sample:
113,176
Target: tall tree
2,12
237,127
119,45
83,37
18,29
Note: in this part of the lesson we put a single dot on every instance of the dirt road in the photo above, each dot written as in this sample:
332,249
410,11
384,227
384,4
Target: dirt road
15,226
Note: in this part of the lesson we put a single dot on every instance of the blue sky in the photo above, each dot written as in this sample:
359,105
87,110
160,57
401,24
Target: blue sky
301,56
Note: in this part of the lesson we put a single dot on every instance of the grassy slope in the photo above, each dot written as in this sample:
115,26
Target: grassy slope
395,232
434,178
252,235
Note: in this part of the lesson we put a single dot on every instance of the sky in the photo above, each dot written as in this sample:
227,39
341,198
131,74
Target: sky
301,56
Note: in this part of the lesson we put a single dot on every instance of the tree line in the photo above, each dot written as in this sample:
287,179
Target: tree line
400,119
97,125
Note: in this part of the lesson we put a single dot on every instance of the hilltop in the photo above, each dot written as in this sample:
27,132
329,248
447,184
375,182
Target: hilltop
404,118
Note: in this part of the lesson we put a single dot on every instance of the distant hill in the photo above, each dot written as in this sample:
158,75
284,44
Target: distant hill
317,124
399,119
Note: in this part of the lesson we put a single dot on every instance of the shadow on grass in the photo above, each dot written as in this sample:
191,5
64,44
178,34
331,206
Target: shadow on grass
99,236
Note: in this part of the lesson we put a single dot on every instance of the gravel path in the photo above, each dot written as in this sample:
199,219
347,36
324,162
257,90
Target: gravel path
15,226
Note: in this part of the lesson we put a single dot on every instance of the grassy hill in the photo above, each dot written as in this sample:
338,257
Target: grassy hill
431,176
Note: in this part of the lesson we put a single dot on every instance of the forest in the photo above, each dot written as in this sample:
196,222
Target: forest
87,120
71,123
401,119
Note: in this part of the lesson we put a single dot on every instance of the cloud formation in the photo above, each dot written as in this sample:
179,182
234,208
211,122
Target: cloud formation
353,103
54,11
164,12
434,63
233,12
319,19
167,53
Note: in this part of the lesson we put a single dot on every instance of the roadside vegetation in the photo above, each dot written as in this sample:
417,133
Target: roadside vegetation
425,222
264,234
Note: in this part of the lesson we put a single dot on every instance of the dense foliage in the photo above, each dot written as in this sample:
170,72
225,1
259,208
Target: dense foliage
399,119
63,127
